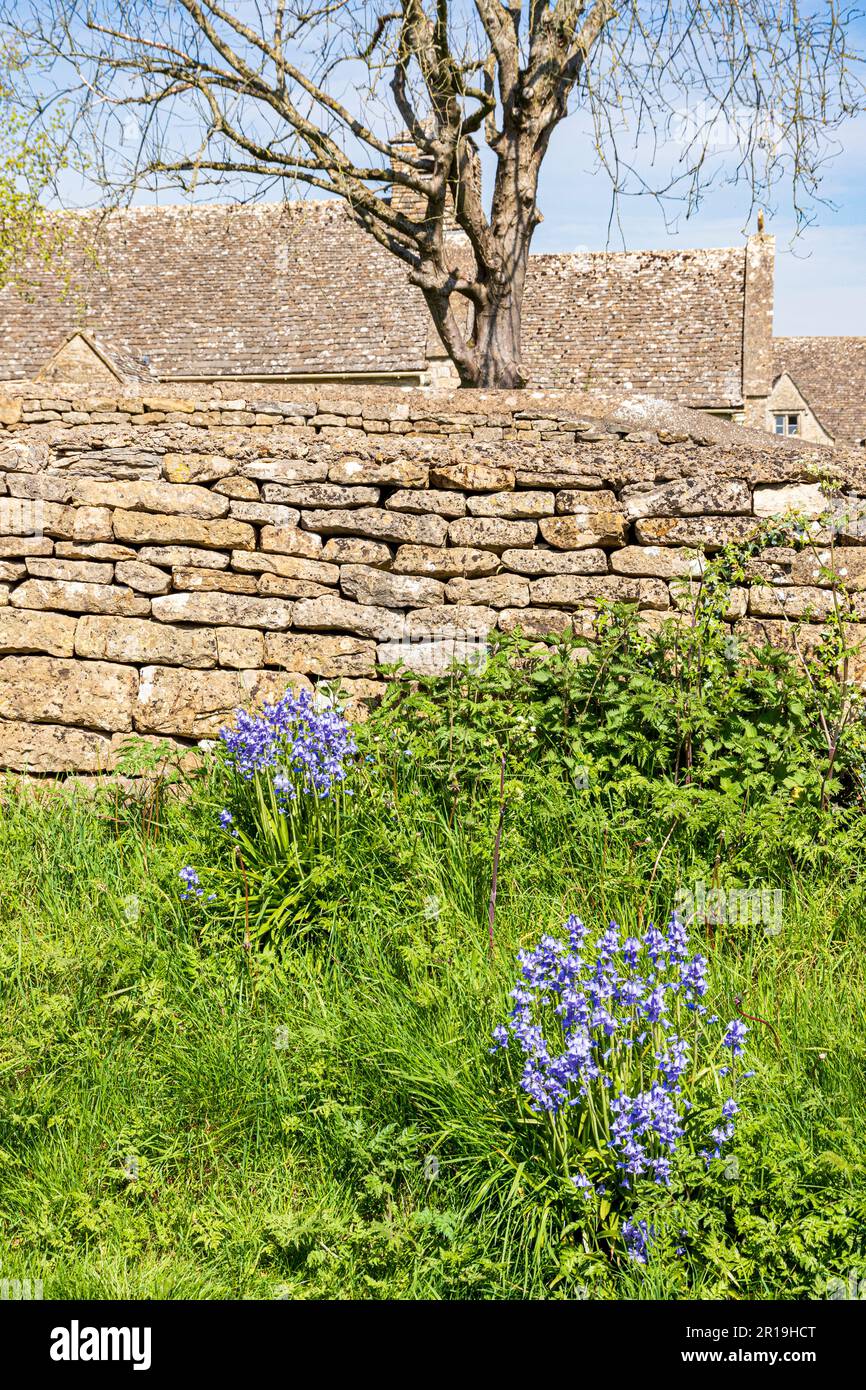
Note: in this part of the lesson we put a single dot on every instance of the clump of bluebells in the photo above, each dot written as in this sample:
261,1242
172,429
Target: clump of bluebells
303,750
624,1058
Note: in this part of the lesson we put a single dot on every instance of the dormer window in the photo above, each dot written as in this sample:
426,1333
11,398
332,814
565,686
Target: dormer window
787,424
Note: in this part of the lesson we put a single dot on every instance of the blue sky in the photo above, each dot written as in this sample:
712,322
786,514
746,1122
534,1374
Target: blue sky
820,276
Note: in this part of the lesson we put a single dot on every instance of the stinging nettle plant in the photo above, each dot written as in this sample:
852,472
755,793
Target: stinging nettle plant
452,105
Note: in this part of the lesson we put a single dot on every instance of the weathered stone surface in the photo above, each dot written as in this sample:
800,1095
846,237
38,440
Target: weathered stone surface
195,468
240,648
75,550
222,581
786,601
491,533
425,500
66,597
149,528
170,499
11,571
11,547
234,610
368,585
657,562
457,620
284,587
535,622
700,532
328,657
264,513
346,550
571,501
339,615
197,704
536,562
285,470
433,658
50,690
499,591
23,631
137,641
145,579
182,557
52,748
244,489
805,498
287,566
560,474
288,540
442,563
584,530
472,477
377,524
511,504
688,497
385,472
847,562
321,495
90,524
86,571
578,591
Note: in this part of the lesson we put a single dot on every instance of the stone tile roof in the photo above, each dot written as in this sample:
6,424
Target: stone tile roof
287,289
831,375
665,322
226,291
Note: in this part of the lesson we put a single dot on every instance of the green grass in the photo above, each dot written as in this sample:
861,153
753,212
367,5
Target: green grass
285,1112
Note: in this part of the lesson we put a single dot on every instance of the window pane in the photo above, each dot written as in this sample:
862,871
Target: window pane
780,424
793,424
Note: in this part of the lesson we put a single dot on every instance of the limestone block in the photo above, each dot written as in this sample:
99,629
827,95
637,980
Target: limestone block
584,530
423,500
688,497
320,495
445,563
657,562
50,690
384,472
73,597
492,533
536,562
52,748
150,528
698,532
805,498
145,579
87,571
535,622
241,648
264,513
233,610
472,477
287,566
372,586
182,557
197,704
171,499
377,524
511,504
337,614
457,620
137,641
329,657
578,591
288,540
196,468
222,581
23,631
348,550
499,591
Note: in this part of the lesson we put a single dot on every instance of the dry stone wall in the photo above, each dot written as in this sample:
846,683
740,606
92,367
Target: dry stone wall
164,561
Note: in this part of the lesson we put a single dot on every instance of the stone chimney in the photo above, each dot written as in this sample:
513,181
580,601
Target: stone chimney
760,266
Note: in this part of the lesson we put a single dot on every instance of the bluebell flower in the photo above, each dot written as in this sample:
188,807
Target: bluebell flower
190,879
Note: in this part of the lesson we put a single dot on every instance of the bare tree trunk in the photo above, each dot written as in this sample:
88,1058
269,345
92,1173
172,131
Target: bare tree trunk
497,341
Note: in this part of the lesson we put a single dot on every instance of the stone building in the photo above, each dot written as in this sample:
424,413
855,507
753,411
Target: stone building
297,293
